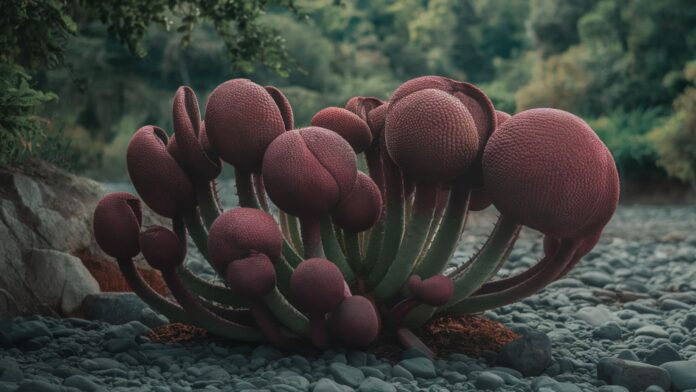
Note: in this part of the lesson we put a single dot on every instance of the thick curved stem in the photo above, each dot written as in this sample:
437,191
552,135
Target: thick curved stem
203,316
311,237
394,225
291,230
198,234
245,189
332,248
207,204
269,326
480,268
152,298
506,283
416,234
287,314
208,290
260,191
480,303
319,332
352,241
409,340
445,242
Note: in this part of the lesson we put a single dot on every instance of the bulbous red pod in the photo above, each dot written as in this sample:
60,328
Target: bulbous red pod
242,119
547,169
283,105
316,286
158,178
501,117
162,248
239,232
431,135
308,171
185,146
476,101
347,124
437,290
361,208
251,277
116,224
376,119
355,323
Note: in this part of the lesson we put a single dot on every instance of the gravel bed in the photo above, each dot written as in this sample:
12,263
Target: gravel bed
624,316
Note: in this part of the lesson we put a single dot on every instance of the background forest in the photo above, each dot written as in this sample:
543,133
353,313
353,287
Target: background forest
74,89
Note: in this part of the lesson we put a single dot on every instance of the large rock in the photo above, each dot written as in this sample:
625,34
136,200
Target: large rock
45,216
635,376
60,280
530,354
683,374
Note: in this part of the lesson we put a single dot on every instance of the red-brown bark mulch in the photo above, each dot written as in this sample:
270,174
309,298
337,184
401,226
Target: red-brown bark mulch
445,335
109,277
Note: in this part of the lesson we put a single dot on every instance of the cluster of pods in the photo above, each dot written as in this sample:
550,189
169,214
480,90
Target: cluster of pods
346,227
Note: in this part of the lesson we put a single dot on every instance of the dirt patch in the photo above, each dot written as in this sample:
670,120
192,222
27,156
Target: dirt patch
445,335
109,277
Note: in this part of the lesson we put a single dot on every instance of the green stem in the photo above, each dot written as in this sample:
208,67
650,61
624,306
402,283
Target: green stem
199,235
206,318
208,290
445,242
287,314
260,191
291,231
416,234
352,241
311,237
480,268
394,225
206,202
332,248
283,273
152,298
362,163
479,303
245,189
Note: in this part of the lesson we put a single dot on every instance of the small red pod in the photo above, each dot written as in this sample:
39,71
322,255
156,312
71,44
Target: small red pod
116,224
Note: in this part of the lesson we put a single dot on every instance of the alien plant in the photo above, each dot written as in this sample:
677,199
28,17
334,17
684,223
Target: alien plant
345,255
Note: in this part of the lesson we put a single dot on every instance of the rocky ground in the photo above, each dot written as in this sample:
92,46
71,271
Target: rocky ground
622,320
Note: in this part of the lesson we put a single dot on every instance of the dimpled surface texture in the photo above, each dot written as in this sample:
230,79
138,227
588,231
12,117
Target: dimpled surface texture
434,291
478,104
347,124
316,286
355,323
283,105
158,178
251,277
308,171
431,135
116,224
501,117
547,169
376,119
185,146
161,248
362,208
239,232
242,119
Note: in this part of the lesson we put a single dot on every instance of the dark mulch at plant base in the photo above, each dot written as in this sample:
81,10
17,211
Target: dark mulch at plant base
445,335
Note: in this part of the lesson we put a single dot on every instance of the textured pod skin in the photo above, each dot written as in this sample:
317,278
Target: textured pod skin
116,224
161,248
308,171
362,208
479,105
240,232
347,124
434,291
547,169
355,323
242,119
431,135
158,178
501,117
186,146
317,286
251,277
284,105
376,118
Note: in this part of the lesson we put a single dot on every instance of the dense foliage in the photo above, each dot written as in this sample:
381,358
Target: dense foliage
621,62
